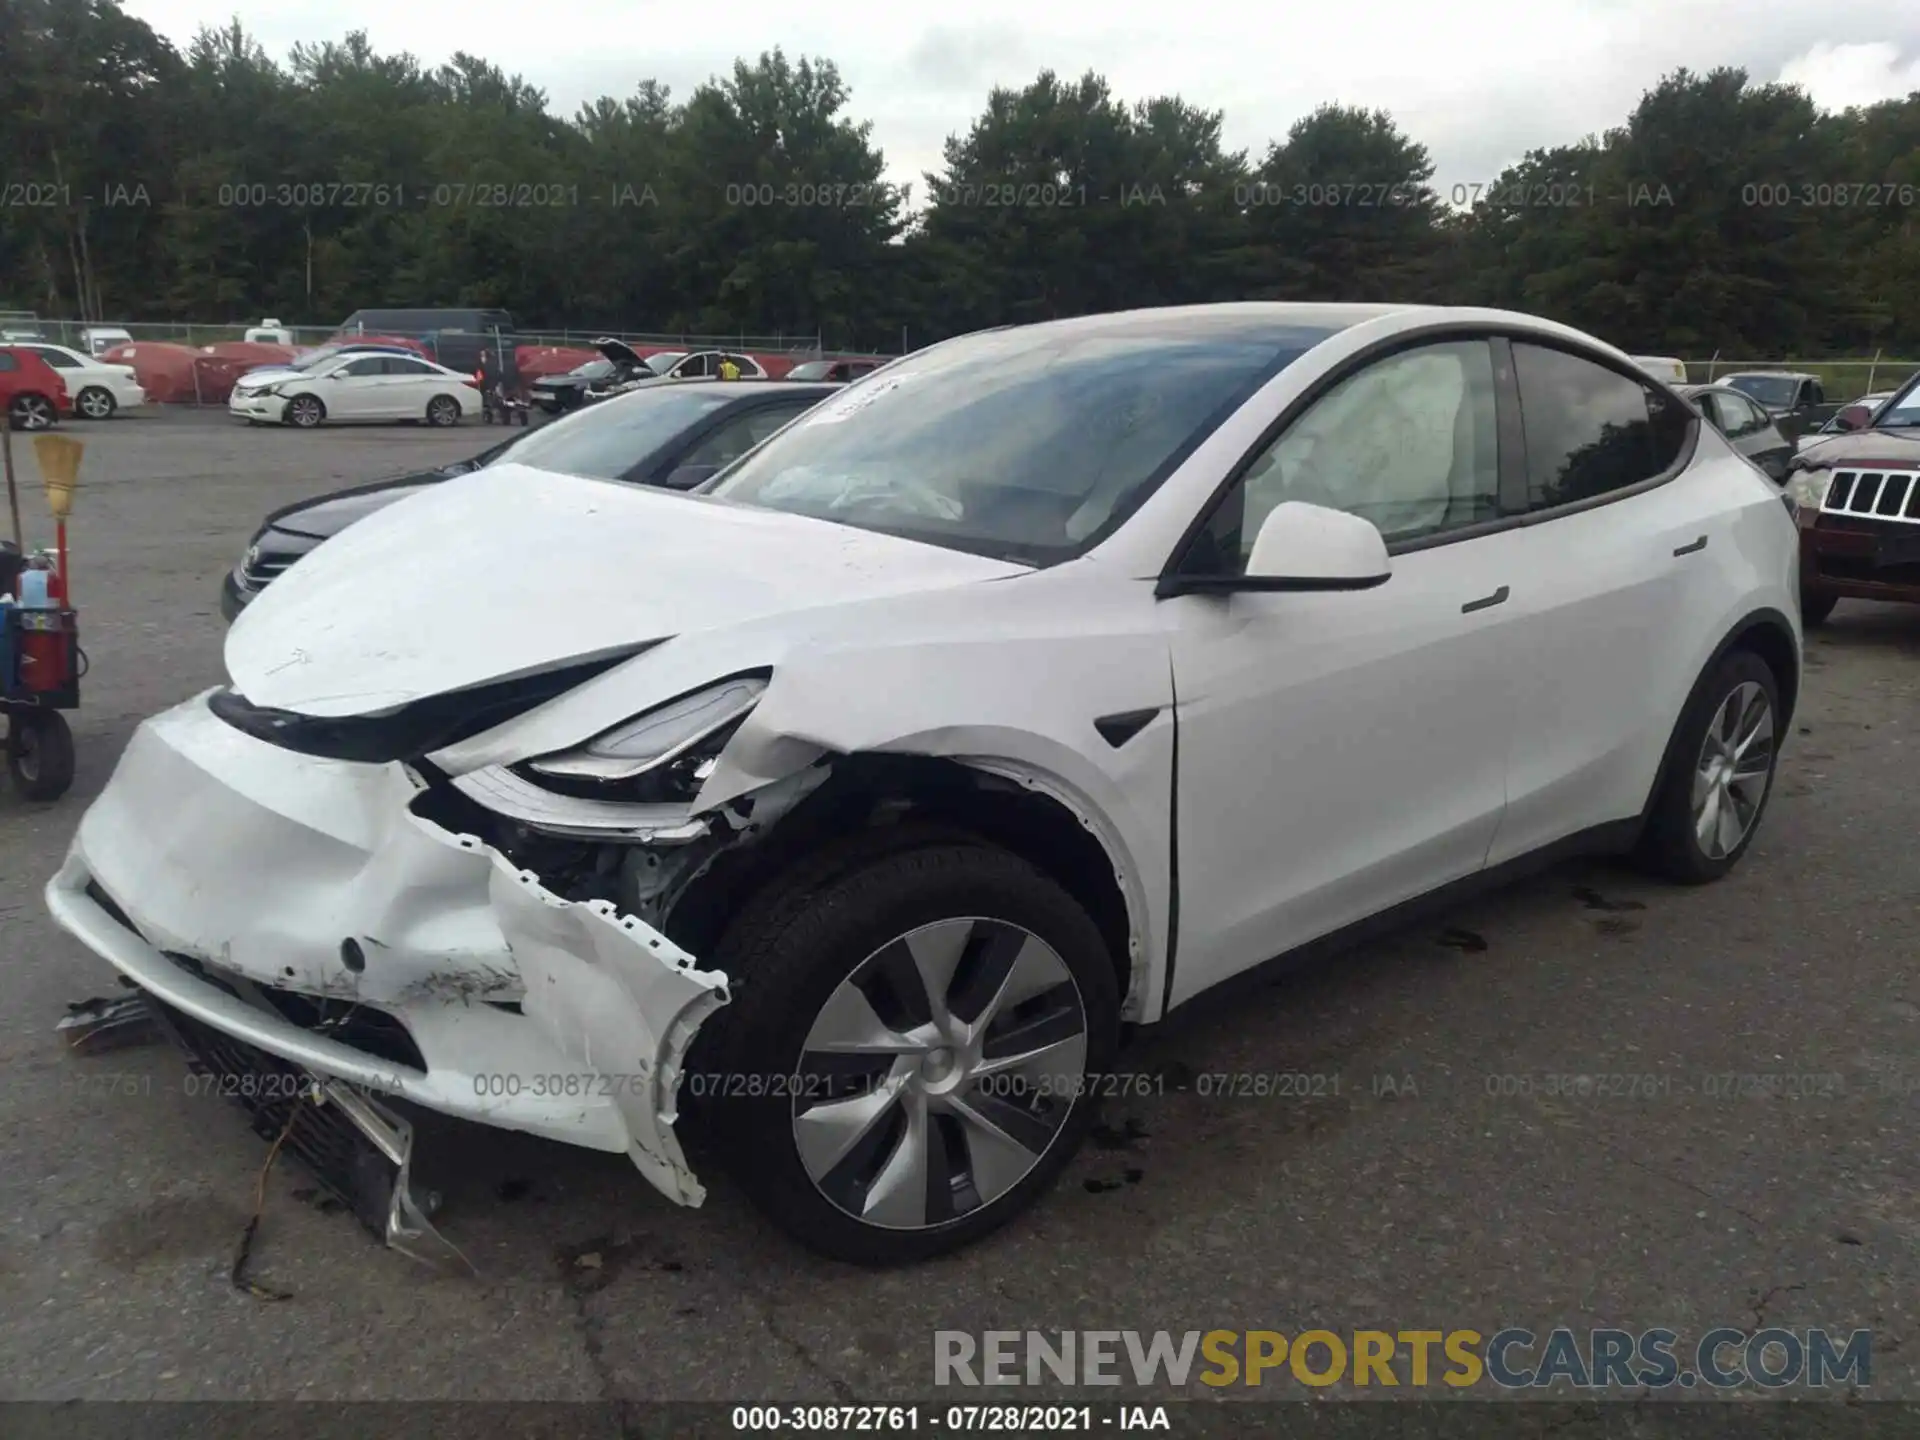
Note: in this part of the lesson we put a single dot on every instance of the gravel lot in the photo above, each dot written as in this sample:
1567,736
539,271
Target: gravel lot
1446,1205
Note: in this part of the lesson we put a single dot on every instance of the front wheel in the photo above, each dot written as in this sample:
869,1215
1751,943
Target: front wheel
1816,606
910,1055
443,410
305,411
1721,773
39,753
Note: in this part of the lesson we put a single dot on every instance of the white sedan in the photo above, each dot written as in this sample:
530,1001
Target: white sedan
844,815
98,389
357,387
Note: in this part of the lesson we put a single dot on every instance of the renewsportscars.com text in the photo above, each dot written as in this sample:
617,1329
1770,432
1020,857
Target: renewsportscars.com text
1509,1359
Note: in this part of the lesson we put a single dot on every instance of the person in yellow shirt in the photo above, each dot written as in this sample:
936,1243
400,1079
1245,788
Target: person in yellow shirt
729,368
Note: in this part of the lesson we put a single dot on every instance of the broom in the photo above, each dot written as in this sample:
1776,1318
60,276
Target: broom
59,457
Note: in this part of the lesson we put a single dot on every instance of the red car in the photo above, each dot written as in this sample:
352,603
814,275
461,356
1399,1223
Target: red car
32,390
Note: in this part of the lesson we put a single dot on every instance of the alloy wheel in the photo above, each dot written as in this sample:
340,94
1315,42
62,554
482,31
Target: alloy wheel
304,411
95,404
939,1073
31,412
1733,771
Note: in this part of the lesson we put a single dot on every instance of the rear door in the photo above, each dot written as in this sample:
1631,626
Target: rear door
408,385
1618,589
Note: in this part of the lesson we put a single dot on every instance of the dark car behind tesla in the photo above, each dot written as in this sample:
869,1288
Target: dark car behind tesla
676,435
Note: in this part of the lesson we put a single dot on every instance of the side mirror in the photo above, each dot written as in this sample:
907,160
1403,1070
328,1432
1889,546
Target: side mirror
1302,547
1854,417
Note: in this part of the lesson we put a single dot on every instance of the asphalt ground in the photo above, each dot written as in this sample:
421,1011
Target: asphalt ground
1430,1181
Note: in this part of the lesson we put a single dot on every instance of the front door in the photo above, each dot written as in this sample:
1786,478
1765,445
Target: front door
1342,752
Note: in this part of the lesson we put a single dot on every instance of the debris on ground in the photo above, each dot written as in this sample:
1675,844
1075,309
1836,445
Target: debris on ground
116,1022
244,1251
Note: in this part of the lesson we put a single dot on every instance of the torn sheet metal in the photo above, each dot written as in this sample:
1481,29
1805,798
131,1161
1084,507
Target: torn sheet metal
621,999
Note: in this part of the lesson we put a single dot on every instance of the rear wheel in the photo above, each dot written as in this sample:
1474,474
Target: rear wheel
95,403
1724,753
443,410
1816,606
904,1065
39,753
32,412
306,411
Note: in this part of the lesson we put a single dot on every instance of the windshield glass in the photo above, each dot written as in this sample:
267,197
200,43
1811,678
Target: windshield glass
1903,412
1027,444
664,361
605,441
316,357
594,369
811,370
1767,389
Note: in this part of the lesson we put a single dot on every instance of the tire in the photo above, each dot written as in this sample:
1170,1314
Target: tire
797,945
443,410
1816,606
1671,846
39,753
32,412
95,403
304,412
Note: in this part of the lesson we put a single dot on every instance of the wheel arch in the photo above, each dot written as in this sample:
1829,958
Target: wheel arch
1766,632
1005,806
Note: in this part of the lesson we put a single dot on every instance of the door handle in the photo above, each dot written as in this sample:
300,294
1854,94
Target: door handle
1694,549
1498,597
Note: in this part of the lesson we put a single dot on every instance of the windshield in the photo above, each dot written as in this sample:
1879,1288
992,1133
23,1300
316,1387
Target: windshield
315,358
1767,389
664,361
1028,444
593,369
606,441
1902,412
811,370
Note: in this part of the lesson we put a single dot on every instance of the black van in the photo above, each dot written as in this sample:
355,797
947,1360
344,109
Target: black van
456,337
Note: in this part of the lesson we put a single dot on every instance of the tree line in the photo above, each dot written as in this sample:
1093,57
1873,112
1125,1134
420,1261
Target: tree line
143,183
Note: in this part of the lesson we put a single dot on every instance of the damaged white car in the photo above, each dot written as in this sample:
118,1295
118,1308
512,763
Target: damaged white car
843,815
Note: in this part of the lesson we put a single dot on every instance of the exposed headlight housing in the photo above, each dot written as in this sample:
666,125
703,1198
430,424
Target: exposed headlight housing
660,757
1807,489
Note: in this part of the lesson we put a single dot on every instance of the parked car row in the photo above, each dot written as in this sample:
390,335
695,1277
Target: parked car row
45,381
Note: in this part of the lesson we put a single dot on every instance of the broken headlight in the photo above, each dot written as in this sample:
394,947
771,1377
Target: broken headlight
1807,489
661,757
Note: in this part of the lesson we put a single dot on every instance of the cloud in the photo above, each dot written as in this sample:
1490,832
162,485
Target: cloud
1479,82
1840,76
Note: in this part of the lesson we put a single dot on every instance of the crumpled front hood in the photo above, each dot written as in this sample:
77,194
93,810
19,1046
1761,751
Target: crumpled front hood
1860,447
510,570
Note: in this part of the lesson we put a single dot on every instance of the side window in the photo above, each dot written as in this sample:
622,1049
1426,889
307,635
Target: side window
401,365
738,435
695,365
1729,414
1590,430
1410,443
58,359
1756,418
7,362
371,365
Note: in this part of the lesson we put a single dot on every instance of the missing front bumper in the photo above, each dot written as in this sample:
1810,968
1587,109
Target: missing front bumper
357,1149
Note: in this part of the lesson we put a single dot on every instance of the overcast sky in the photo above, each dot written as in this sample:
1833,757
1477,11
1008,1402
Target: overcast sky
1479,82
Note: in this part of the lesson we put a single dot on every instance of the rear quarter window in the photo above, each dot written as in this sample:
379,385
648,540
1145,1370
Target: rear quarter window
1590,430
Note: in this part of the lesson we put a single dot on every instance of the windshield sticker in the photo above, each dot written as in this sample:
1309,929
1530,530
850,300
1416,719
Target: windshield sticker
856,399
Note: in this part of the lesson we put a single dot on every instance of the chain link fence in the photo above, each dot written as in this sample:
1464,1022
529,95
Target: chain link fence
1843,380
